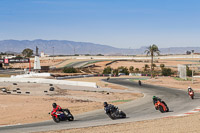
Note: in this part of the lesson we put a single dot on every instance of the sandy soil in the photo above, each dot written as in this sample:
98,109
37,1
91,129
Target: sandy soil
173,83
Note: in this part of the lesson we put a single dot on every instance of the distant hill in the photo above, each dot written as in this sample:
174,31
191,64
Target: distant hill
64,47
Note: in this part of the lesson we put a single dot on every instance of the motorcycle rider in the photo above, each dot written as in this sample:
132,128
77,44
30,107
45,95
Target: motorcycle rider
107,107
139,82
190,90
156,99
56,107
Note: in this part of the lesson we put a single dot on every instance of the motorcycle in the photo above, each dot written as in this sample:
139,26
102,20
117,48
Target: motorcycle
161,106
62,115
191,94
116,113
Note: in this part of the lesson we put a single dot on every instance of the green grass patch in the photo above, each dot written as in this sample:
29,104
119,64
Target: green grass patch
117,101
136,79
180,79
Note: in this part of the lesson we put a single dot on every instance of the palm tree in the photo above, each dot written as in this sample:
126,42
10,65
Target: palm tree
151,50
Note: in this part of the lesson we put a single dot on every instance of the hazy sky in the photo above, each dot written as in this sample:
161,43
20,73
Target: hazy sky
118,23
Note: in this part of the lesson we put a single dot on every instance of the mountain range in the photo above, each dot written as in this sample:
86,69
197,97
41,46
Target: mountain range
64,47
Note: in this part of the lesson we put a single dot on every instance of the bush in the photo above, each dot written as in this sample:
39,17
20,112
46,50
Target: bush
123,70
69,70
107,70
115,72
188,71
166,72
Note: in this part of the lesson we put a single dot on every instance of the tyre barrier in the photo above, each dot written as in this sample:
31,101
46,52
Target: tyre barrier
45,91
14,90
52,89
14,83
8,92
19,92
27,92
50,84
4,90
18,89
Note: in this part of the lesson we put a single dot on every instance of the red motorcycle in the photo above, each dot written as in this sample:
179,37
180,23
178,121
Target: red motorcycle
191,94
162,106
63,115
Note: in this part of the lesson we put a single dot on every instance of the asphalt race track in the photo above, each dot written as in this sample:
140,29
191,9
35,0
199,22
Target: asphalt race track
137,110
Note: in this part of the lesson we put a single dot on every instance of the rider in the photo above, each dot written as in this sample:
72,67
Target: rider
190,89
107,107
139,82
56,107
155,99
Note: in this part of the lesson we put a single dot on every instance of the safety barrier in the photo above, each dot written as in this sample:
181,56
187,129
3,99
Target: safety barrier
49,81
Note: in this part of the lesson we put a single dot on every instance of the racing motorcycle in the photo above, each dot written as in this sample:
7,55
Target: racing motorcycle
191,94
161,106
62,115
116,113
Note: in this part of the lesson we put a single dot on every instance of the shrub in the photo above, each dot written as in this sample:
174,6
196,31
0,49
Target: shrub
131,69
116,72
162,66
188,71
69,70
166,72
107,70
123,70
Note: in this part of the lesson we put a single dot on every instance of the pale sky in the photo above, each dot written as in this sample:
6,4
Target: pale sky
118,23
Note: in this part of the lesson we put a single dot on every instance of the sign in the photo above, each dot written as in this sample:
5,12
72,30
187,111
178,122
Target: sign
24,60
6,61
1,60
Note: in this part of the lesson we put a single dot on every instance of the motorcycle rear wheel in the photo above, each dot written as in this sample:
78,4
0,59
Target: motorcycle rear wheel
71,118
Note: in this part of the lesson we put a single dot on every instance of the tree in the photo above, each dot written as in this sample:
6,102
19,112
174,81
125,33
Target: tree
166,72
115,72
153,66
188,71
162,66
27,52
107,70
123,70
137,69
146,66
152,50
131,69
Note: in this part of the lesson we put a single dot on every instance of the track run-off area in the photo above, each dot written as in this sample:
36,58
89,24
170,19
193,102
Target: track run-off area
137,110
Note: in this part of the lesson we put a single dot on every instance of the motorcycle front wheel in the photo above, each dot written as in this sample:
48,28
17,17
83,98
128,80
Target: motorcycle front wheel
57,120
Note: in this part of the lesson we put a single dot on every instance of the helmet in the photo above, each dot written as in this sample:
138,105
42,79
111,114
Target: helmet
189,87
54,105
105,104
153,97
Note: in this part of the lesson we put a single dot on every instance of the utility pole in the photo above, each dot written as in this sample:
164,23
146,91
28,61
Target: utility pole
53,54
192,67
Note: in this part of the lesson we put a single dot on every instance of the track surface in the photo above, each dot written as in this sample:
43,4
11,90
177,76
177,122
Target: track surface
137,110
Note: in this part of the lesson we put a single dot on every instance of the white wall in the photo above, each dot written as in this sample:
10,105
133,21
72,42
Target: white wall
49,81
